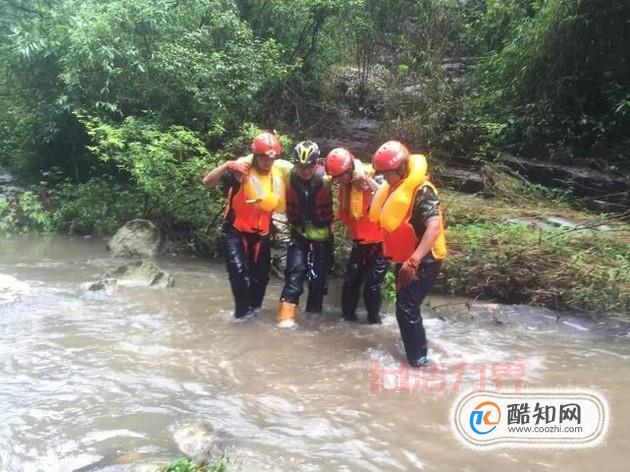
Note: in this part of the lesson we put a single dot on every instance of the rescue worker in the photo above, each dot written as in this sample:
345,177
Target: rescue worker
406,206
254,192
309,214
366,261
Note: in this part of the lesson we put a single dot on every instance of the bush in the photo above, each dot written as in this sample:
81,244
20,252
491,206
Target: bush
553,77
191,63
22,213
559,270
99,206
164,165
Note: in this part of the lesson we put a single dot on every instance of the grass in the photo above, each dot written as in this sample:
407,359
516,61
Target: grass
490,258
186,465
563,269
557,269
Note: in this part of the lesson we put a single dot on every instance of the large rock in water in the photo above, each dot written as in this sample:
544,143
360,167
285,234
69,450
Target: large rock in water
11,289
137,238
196,440
143,273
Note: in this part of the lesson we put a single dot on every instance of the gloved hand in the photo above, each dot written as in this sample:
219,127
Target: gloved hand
238,166
406,273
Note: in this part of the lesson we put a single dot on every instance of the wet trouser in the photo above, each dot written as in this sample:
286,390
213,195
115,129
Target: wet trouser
307,260
248,258
408,302
367,262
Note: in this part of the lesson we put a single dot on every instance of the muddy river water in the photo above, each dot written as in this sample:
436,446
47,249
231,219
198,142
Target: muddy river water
97,381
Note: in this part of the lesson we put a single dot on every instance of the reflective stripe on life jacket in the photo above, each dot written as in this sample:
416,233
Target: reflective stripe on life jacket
265,190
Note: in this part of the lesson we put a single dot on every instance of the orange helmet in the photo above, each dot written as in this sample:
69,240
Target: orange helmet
266,143
390,156
338,161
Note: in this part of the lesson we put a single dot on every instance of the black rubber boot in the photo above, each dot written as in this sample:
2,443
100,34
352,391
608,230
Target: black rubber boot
238,271
373,301
414,339
352,285
315,300
376,269
349,301
295,273
318,264
408,314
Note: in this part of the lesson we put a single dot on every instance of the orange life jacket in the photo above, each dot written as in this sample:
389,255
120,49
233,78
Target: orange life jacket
353,212
399,244
253,215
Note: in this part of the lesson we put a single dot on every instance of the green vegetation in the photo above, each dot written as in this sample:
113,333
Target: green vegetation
114,110
22,214
548,78
553,79
489,258
186,465
556,269
565,269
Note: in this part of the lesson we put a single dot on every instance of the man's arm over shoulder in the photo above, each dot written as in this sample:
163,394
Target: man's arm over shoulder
284,167
227,172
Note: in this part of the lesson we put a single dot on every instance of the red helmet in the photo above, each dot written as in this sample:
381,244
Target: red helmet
266,143
338,161
390,156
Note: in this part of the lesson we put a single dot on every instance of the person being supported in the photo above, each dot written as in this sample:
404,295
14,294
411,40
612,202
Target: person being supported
310,214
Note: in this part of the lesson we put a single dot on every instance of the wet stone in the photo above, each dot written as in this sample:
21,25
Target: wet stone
137,238
196,440
532,222
144,273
